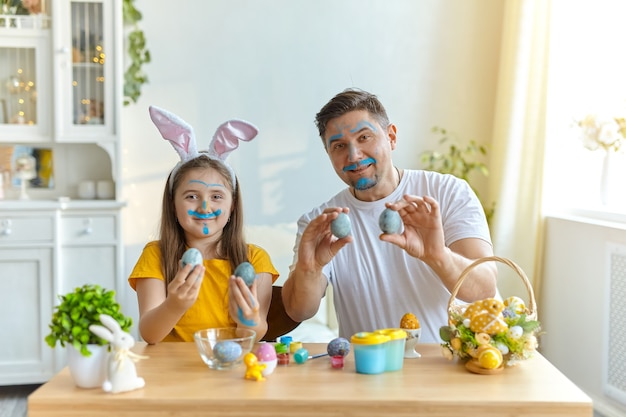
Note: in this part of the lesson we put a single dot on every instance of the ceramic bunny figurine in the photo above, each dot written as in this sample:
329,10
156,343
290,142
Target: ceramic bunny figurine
121,374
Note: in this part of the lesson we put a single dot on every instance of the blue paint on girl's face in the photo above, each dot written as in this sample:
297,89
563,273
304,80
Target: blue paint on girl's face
243,320
205,229
366,161
365,183
206,184
204,205
198,215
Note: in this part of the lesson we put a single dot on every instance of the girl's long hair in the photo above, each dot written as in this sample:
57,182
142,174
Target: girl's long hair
232,246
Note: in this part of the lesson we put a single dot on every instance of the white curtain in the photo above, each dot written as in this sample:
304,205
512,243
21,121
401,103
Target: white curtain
516,162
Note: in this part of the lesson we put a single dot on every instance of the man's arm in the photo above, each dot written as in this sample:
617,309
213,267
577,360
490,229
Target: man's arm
306,284
423,238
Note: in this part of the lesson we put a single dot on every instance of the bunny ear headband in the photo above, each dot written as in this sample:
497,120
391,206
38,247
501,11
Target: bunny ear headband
180,134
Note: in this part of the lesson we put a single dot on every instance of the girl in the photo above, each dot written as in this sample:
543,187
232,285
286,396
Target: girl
202,208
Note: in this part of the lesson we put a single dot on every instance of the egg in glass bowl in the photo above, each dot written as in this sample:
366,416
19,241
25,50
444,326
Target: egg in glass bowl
224,347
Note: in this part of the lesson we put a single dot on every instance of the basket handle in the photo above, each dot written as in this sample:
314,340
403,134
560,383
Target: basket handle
531,310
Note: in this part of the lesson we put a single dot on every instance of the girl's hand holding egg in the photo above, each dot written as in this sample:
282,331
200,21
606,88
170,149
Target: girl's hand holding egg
191,256
245,270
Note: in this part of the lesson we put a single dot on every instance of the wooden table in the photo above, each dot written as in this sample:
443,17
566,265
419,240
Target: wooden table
178,383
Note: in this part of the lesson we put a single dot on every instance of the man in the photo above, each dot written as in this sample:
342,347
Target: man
378,277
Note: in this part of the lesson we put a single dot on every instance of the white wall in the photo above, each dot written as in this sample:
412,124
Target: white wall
276,63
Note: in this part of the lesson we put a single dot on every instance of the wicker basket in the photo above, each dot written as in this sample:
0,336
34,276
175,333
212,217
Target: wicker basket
526,320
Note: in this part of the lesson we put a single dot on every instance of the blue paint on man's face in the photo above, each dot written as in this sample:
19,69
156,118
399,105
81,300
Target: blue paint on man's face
205,229
365,183
361,125
205,216
332,139
204,205
353,167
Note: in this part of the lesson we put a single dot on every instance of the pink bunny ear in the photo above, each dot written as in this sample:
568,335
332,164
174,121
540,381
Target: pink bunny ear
176,131
227,137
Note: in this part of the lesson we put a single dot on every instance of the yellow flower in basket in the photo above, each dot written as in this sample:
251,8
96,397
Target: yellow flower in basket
490,334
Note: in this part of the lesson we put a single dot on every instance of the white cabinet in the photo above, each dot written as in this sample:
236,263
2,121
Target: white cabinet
61,95
87,92
49,248
26,271
60,100
89,244
25,88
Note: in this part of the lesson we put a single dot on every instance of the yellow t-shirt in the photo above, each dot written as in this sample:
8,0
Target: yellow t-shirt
211,307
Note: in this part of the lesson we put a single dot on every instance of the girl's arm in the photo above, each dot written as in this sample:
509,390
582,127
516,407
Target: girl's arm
158,313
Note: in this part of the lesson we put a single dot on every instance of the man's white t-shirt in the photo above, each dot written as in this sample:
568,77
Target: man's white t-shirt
374,282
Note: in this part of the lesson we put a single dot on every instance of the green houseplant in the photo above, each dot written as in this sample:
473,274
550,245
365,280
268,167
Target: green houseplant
459,160
79,309
138,53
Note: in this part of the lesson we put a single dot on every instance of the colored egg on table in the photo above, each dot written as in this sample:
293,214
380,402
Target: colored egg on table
389,221
265,352
338,347
245,270
227,351
341,226
192,256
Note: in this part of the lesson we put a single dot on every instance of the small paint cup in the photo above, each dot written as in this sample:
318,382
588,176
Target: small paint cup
282,353
394,348
369,352
336,362
295,346
301,355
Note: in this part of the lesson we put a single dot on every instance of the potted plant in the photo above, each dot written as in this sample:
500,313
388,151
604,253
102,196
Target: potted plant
70,323
460,161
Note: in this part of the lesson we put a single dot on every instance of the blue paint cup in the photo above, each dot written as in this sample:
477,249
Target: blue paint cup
394,348
369,352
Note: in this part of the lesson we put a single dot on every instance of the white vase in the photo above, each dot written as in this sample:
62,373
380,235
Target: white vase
606,179
88,371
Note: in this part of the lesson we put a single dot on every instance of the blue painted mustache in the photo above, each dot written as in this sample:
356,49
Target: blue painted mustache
366,161
204,215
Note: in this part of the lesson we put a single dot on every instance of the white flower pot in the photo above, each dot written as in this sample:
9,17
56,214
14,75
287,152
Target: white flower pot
88,371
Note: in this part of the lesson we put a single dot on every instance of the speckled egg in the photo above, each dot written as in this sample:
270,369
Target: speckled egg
246,271
192,256
389,221
341,226
338,347
227,351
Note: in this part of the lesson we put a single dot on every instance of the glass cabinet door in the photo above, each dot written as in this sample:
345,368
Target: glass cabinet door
24,88
86,87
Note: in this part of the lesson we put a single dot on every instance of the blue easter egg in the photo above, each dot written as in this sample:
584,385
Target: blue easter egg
340,227
246,271
192,256
338,347
389,221
227,351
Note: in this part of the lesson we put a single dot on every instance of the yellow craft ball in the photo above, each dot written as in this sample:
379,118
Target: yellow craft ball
490,358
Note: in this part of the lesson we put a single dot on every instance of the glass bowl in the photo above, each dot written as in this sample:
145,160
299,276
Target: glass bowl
224,347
